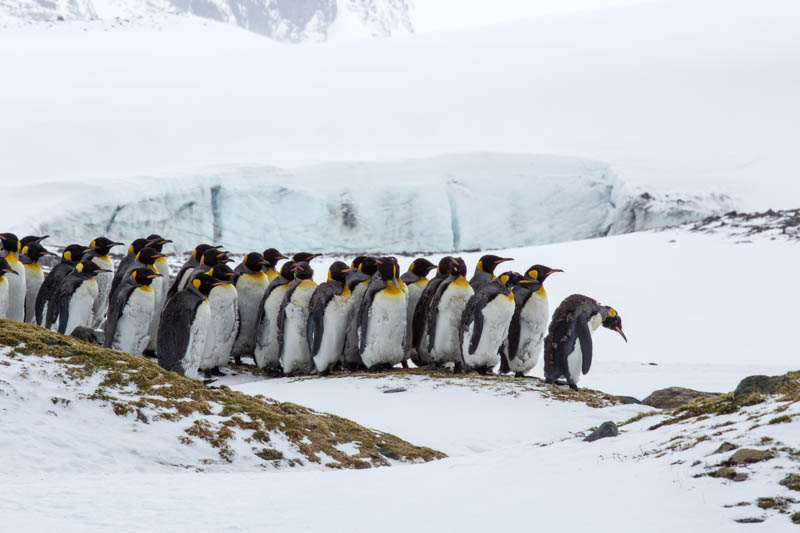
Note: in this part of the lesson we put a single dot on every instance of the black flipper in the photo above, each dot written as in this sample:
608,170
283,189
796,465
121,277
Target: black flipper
323,294
421,312
184,271
514,331
174,329
115,311
375,286
566,335
585,336
48,289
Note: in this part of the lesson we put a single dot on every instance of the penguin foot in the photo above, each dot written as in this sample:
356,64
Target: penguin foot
207,382
404,363
573,386
458,368
216,372
237,359
519,375
150,353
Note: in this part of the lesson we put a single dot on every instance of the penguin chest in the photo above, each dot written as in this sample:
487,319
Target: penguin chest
266,350
104,278
132,332
224,304
3,296
386,329
448,322
34,277
16,288
250,288
534,317
575,363
198,336
496,319
334,327
81,305
296,356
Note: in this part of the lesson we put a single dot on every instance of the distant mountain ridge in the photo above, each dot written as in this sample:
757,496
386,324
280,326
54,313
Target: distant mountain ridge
290,21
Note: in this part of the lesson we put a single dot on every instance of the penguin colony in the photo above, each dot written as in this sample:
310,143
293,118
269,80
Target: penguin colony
366,315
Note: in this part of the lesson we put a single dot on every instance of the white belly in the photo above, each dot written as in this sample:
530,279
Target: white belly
575,363
295,356
33,281
334,328
80,306
198,334
224,325
103,287
534,318
159,286
16,288
267,351
351,355
4,297
496,319
414,292
386,330
451,306
251,289
162,266
133,326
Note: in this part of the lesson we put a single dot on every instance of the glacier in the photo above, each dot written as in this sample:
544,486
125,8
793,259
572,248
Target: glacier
456,202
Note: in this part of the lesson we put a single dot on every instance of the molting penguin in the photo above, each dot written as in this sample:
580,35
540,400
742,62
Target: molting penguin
130,313
34,277
484,324
568,345
5,269
75,297
182,277
328,318
416,280
183,330
295,356
529,324
484,270
224,301
382,318
101,248
251,283
70,257
267,351
368,266
444,316
419,323
16,284
272,256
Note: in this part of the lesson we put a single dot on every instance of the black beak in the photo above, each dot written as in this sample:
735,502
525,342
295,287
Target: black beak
619,330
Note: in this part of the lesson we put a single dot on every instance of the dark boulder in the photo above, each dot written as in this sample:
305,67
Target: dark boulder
606,429
672,397
761,385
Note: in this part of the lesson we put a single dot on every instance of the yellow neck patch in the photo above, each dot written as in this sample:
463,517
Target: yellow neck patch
392,289
345,291
145,288
271,273
460,282
421,282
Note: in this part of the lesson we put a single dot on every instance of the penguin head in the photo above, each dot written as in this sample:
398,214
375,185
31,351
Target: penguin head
489,262
31,239
157,241
200,249
137,246
540,272
304,257
387,268
445,266
203,283
254,261
102,245
213,257
74,253
368,265
5,268
612,320
10,242
303,270
34,251
458,267
89,268
338,271
357,261
222,274
421,267
287,270
148,255
510,279
272,256
144,276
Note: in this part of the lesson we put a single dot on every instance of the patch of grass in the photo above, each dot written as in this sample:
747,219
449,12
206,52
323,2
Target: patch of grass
795,518
783,419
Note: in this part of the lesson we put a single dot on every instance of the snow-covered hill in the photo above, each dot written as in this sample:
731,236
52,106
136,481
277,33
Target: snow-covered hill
291,21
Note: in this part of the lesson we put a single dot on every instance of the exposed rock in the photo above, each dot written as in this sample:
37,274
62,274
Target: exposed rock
791,481
728,473
779,504
269,454
392,391
627,400
390,454
606,429
725,447
760,384
672,397
752,520
746,456
86,335
140,416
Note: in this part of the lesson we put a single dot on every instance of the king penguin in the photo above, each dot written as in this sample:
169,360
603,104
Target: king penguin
328,318
70,256
419,323
485,321
267,350
416,280
272,256
223,300
295,356
568,345
75,297
30,239
5,269
484,270
16,284
528,326
444,316
130,313
160,285
182,277
304,257
101,248
128,262
382,318
34,277
183,330
351,357
251,283
210,258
